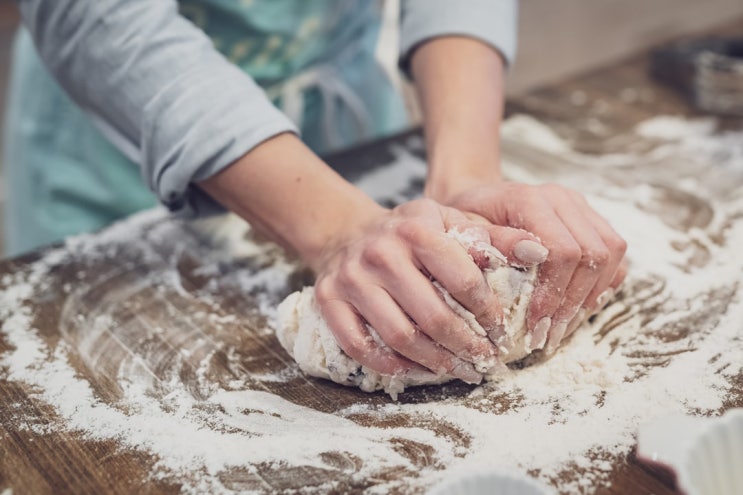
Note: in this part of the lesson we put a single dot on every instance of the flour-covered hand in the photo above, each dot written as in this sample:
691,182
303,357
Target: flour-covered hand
381,273
585,253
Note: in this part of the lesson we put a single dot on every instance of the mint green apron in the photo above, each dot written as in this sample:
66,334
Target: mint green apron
314,57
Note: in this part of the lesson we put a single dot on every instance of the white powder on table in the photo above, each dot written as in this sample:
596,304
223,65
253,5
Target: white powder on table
673,344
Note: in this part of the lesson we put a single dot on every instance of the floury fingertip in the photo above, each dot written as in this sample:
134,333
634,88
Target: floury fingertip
577,320
557,332
539,335
530,252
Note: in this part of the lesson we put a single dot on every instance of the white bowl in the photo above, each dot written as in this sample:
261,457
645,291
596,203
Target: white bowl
714,462
705,453
490,483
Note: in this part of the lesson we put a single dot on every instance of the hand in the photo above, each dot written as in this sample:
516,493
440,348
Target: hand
584,265
379,272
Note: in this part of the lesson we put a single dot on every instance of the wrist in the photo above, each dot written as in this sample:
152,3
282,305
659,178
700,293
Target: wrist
291,196
455,171
333,233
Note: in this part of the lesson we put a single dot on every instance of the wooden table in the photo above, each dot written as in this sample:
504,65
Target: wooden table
104,287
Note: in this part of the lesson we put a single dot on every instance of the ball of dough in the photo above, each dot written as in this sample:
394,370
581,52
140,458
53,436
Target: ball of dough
305,335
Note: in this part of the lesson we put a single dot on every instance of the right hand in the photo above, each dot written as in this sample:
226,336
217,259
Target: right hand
585,264
380,270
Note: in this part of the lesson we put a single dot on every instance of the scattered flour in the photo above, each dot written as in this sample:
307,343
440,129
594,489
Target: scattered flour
672,343
669,128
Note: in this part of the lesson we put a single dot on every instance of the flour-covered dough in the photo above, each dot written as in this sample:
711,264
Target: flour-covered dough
305,335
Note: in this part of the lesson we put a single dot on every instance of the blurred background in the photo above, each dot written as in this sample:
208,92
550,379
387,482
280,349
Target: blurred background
557,38
8,23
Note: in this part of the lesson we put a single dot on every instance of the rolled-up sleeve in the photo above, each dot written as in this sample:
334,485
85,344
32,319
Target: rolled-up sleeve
491,21
156,86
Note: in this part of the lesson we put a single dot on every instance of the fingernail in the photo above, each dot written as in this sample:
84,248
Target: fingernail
539,334
576,322
530,252
604,298
466,372
557,332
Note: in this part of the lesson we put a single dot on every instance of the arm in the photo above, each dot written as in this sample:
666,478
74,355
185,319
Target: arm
156,87
170,101
453,48
370,261
460,82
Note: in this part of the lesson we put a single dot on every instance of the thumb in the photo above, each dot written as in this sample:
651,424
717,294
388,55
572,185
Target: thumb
518,246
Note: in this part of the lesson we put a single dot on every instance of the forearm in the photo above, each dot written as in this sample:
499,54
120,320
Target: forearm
290,195
460,84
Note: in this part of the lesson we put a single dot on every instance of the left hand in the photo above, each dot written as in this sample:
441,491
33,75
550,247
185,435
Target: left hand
584,265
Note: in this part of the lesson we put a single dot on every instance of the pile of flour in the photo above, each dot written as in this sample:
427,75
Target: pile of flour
671,343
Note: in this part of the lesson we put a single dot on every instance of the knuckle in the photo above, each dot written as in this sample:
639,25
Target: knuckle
349,276
412,231
470,285
532,193
356,347
618,246
436,321
415,207
323,290
379,254
401,339
492,314
595,258
552,188
577,196
567,254
426,203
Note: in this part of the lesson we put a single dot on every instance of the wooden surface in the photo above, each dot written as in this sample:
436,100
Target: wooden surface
594,112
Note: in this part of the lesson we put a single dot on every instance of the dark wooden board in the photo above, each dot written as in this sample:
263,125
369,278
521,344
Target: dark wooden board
63,462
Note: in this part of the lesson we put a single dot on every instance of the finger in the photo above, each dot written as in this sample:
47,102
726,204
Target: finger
580,317
620,275
616,246
605,297
352,336
518,246
445,259
455,329
591,267
554,274
398,332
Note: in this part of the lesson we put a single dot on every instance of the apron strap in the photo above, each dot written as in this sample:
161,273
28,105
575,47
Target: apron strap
333,89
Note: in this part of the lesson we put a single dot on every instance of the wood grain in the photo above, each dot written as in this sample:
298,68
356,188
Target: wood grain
35,458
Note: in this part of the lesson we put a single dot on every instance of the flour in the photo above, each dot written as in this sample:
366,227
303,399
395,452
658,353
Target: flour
668,128
670,343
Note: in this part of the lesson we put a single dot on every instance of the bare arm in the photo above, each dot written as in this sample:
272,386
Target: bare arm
460,81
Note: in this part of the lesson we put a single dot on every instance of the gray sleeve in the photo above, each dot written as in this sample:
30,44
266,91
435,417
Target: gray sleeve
491,21
157,89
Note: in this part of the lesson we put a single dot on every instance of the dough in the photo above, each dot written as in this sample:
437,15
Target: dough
305,335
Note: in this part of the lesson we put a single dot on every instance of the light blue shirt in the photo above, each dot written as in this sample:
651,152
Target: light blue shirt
179,88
